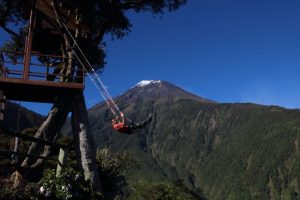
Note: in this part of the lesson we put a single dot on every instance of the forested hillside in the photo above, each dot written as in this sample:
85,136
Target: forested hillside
224,151
230,151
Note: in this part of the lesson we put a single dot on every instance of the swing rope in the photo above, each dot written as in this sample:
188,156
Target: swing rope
93,74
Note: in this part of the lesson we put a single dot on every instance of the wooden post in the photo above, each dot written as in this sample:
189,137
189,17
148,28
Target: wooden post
28,43
2,105
17,178
47,73
62,160
84,142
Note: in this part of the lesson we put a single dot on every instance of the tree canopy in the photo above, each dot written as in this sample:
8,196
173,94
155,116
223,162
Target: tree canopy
98,17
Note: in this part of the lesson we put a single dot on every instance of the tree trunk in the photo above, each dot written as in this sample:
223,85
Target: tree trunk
81,131
49,130
83,141
86,154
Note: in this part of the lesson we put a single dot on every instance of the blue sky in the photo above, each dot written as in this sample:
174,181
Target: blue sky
225,50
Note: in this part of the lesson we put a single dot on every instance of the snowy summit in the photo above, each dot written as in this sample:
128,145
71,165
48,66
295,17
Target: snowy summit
146,82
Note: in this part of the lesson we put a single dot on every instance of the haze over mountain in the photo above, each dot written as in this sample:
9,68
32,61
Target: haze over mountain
229,151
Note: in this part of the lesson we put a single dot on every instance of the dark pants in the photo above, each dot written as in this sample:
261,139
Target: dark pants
139,125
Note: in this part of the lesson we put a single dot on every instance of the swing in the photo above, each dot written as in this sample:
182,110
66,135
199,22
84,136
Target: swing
119,125
119,121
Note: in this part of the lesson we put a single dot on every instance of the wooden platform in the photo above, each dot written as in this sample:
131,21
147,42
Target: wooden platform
39,83
37,91
24,76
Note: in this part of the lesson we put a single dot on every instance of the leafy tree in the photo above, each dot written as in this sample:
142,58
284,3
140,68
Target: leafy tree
90,21
112,169
69,185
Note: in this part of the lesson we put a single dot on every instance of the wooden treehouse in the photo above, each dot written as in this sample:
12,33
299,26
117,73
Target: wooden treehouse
23,77
39,73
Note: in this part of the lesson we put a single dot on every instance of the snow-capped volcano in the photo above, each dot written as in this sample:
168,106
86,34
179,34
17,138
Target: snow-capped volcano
146,82
153,89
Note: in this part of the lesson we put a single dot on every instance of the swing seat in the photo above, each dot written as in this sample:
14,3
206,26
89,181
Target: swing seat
119,124
121,127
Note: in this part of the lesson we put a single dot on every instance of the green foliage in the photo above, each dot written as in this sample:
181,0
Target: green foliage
7,193
112,168
24,144
10,12
69,185
160,191
115,164
27,118
95,18
71,152
230,151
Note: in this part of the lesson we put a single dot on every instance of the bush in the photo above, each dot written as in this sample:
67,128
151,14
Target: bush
69,185
15,194
112,168
7,191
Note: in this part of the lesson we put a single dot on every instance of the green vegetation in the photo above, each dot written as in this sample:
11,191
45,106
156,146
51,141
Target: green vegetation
8,193
112,167
146,190
69,185
229,151
224,151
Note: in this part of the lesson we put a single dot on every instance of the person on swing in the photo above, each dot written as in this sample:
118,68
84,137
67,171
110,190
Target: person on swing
122,125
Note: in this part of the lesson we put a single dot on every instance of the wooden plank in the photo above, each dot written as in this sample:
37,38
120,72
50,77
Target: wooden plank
42,83
9,153
37,91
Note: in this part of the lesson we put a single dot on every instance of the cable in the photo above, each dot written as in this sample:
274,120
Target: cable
97,81
93,76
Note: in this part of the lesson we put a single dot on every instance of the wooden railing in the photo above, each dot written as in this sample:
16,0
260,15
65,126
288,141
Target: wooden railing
12,66
12,154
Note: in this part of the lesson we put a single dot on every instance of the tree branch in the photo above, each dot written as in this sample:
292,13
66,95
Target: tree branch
99,37
131,4
11,32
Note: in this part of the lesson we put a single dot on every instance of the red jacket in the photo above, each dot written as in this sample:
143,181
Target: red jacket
121,127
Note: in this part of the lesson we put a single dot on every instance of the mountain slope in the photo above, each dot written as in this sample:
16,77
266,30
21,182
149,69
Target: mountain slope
230,151
27,118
